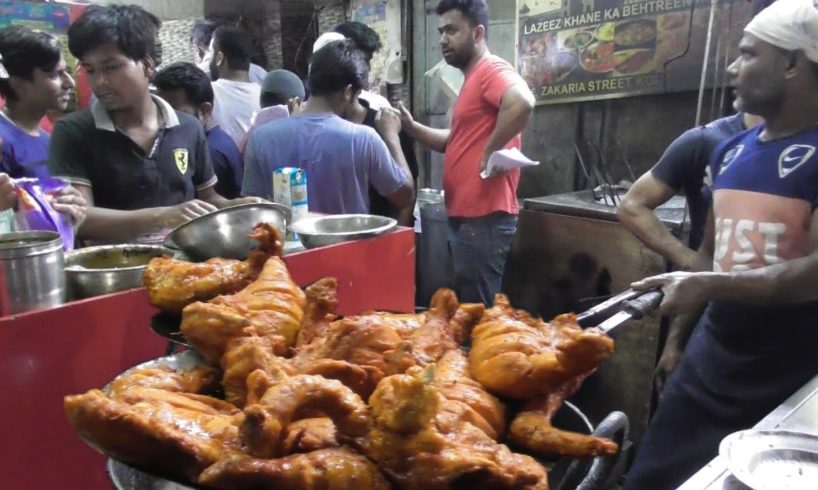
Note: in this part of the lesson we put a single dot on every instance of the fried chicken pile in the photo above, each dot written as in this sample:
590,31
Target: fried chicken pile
303,399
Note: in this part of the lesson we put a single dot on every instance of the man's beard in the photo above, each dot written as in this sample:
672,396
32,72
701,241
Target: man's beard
461,59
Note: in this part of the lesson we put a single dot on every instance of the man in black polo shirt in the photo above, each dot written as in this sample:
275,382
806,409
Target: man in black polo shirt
144,167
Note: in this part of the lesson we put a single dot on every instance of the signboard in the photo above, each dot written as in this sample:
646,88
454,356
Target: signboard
573,50
53,18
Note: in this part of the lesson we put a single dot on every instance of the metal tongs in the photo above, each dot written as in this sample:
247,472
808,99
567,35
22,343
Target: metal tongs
620,309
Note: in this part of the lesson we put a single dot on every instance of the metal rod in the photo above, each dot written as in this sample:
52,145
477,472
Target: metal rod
606,174
707,43
582,165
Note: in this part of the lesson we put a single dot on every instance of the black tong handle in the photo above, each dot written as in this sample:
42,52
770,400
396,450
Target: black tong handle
645,303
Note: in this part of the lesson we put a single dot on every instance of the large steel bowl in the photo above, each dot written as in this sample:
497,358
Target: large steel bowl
224,233
105,269
337,228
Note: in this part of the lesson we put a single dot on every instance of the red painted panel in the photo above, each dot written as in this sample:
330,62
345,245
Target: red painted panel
48,354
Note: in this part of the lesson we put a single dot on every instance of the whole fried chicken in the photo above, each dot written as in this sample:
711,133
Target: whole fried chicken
422,441
531,430
264,429
173,284
325,469
518,356
200,379
272,304
453,380
361,350
175,434
446,326
246,354
322,299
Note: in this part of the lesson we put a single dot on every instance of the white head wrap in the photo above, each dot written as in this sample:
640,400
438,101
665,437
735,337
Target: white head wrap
790,25
326,38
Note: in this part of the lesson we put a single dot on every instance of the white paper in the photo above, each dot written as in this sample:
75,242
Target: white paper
507,159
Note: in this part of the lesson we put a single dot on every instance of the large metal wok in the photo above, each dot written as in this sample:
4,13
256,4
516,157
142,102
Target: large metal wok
564,474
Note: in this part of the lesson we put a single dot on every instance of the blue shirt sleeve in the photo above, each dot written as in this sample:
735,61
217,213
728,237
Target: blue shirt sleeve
258,178
385,174
681,161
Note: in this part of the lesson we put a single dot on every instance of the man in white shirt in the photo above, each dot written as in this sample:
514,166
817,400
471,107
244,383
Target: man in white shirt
201,37
236,97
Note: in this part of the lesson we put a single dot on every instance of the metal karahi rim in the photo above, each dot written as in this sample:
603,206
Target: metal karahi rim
771,459
302,227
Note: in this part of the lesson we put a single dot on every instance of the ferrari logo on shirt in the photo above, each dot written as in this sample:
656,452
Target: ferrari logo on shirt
181,159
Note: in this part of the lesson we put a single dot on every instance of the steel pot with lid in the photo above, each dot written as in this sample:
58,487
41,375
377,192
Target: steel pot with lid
31,271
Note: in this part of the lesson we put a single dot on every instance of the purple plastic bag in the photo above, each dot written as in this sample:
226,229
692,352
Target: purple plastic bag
34,210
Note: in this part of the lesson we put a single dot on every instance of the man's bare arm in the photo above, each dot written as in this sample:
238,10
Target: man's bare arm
636,212
113,225
516,107
434,139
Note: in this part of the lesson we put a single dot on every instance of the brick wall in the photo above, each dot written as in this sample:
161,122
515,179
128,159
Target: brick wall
175,36
271,39
331,13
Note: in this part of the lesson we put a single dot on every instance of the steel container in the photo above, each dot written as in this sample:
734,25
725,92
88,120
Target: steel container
31,271
434,267
224,233
337,228
105,269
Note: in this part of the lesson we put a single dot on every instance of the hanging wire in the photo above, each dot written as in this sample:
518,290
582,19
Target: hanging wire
705,62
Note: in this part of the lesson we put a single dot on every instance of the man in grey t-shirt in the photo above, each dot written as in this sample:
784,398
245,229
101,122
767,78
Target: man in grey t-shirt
342,159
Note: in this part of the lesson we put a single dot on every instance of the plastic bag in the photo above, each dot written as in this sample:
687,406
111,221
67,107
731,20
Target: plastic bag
34,210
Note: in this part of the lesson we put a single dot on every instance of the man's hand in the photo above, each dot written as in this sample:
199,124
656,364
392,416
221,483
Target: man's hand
71,202
174,216
671,355
406,119
484,164
684,291
7,195
388,123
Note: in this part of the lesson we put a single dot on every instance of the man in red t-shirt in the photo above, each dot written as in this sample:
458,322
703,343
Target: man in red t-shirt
490,113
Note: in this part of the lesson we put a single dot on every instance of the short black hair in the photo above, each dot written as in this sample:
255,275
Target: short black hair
134,30
335,66
236,46
476,11
202,33
24,50
188,77
364,37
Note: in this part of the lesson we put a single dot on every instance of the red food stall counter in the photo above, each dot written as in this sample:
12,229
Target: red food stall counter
45,355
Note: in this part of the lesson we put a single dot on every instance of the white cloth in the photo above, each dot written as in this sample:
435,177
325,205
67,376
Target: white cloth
234,105
326,38
375,101
790,25
257,73
262,117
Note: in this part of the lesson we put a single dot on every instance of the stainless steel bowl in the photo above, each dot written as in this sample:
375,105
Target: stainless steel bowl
224,233
337,228
105,269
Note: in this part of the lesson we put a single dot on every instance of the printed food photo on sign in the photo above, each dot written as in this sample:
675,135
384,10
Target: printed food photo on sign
634,61
598,58
578,40
634,33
